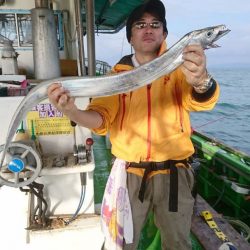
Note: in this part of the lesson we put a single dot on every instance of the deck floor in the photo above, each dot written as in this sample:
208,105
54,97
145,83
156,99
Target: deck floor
206,235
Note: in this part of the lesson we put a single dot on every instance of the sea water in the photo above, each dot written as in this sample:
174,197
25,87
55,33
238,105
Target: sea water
229,121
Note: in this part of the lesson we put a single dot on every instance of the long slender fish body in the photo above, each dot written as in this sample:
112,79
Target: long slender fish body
117,83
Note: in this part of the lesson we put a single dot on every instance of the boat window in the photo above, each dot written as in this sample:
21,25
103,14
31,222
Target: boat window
8,27
25,29
16,26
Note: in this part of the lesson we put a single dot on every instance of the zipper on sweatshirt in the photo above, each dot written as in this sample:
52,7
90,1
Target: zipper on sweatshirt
123,97
149,122
178,98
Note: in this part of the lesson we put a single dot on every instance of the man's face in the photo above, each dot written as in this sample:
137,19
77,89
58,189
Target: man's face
147,34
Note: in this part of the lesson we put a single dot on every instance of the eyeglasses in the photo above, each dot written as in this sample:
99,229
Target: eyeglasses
142,25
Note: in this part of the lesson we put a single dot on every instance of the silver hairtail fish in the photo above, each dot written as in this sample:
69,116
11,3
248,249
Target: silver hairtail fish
117,83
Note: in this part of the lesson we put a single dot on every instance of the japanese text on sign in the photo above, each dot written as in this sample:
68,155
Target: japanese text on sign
47,120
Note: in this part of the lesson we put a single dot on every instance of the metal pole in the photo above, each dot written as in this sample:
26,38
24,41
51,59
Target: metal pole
41,3
90,20
45,48
80,45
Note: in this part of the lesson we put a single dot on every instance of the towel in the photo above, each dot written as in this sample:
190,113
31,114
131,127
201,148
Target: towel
116,216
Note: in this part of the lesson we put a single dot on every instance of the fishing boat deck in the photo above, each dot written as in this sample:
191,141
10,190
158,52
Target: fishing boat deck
206,236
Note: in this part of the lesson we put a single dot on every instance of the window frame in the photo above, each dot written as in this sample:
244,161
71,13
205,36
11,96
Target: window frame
60,35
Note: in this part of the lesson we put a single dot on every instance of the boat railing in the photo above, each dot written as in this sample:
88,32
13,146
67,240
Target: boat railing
102,68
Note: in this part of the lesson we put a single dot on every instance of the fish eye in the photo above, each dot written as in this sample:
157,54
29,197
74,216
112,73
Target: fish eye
209,33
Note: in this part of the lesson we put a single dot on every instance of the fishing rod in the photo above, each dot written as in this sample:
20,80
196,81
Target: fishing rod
227,116
212,121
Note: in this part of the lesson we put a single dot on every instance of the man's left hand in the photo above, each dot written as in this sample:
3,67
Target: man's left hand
194,66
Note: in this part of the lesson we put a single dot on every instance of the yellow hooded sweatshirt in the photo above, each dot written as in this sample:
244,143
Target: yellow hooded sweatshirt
152,123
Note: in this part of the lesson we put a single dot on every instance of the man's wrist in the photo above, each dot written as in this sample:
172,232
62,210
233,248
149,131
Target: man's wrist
71,113
205,85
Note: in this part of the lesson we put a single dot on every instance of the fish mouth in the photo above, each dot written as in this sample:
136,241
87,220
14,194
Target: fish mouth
223,33
220,34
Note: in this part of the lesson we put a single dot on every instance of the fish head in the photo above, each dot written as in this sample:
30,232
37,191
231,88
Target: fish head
207,36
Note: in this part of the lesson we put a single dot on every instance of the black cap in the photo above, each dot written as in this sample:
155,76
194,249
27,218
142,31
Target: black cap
153,7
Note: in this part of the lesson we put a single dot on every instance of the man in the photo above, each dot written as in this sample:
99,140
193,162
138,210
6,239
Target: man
150,127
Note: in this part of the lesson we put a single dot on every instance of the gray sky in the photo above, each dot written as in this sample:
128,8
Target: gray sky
185,16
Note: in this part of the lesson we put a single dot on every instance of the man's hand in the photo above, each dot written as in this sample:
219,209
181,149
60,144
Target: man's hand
61,99
194,66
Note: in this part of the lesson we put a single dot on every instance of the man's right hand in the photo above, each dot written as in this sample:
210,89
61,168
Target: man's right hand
61,99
